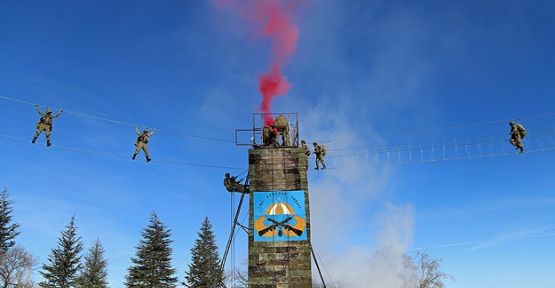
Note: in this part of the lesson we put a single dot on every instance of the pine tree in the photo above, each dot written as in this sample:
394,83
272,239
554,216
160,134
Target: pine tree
94,271
64,261
204,270
8,230
152,263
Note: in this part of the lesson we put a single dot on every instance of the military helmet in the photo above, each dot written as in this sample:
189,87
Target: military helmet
227,175
315,143
303,142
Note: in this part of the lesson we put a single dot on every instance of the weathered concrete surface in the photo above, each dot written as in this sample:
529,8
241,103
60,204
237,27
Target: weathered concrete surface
279,264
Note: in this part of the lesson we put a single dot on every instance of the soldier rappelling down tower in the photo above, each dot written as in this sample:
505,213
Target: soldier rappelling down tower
232,185
517,134
45,123
142,143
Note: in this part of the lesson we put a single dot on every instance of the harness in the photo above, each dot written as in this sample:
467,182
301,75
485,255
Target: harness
47,120
142,138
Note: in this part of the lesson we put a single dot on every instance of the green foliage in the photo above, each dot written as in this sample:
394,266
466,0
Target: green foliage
204,270
64,261
152,264
8,230
94,271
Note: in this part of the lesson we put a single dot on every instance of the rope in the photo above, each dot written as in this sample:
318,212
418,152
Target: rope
455,126
324,265
128,124
108,154
317,266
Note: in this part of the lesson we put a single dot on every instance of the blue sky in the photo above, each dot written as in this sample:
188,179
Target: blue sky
363,71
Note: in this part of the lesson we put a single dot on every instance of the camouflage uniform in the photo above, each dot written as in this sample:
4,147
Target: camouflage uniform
282,126
517,134
306,152
320,153
266,135
231,184
45,124
142,143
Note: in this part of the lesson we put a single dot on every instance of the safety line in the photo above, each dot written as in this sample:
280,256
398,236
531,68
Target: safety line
456,126
108,154
79,114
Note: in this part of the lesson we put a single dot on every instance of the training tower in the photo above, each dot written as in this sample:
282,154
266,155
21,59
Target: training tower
279,210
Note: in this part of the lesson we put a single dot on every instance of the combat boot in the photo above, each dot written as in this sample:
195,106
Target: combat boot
148,159
133,157
34,140
48,144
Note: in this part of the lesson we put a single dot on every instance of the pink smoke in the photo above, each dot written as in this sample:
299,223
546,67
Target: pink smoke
272,19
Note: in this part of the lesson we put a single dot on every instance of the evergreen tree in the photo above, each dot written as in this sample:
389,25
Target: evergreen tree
8,230
152,263
64,261
204,270
94,271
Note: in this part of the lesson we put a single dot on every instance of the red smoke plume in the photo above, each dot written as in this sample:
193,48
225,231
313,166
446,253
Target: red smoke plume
272,19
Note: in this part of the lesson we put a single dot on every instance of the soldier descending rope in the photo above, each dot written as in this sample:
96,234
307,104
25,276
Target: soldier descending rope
45,123
517,134
142,143
232,185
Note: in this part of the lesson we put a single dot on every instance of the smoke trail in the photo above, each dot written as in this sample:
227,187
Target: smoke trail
272,19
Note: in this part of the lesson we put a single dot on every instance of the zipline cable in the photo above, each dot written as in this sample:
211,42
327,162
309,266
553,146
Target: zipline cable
79,114
455,126
108,154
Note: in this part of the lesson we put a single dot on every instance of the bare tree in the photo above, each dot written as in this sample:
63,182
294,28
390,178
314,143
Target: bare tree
236,279
16,266
429,275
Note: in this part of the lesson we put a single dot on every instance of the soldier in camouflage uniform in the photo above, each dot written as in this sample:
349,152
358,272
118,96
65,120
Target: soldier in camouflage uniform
142,143
282,128
517,134
232,185
320,152
45,123
306,151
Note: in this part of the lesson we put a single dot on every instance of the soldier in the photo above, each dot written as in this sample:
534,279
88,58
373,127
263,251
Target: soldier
232,185
282,126
320,151
142,143
45,123
266,131
306,151
517,134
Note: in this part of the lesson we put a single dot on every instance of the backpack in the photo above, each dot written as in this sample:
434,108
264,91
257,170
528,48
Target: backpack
323,149
521,130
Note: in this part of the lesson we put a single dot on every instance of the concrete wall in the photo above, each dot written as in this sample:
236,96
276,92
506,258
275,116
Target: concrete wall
279,264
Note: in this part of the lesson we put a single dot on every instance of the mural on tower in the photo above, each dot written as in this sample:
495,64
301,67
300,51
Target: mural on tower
279,216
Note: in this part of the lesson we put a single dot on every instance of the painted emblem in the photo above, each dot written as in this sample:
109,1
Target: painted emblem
279,216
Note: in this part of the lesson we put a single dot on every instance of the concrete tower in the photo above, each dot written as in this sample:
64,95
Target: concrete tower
279,210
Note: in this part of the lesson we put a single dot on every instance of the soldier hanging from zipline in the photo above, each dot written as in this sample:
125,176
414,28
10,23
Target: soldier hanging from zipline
517,134
45,123
232,185
320,151
142,143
